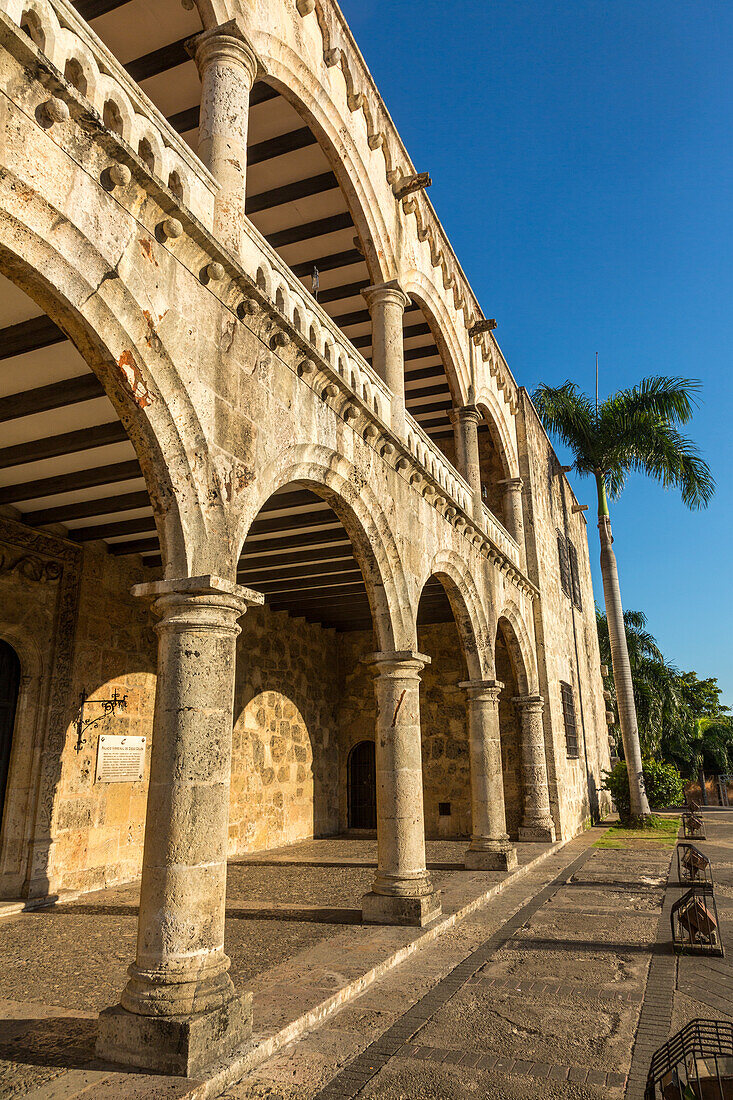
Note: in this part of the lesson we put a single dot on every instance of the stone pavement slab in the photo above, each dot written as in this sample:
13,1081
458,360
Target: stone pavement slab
544,1003
290,934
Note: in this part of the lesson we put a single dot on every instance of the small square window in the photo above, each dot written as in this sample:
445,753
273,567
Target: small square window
444,809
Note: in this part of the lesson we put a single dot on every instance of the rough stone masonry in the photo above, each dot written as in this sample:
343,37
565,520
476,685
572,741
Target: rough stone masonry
268,498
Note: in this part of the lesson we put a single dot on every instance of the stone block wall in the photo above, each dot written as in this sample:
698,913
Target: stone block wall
98,828
566,636
75,626
445,756
286,753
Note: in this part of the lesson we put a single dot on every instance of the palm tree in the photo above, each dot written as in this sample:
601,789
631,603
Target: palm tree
632,431
657,687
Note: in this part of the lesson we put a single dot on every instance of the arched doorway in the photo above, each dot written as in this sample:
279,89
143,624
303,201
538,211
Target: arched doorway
362,786
9,685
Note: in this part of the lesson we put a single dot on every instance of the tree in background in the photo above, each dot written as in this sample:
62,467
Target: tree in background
632,431
681,718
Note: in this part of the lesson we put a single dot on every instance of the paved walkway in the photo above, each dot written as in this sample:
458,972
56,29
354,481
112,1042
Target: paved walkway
293,933
559,985
536,995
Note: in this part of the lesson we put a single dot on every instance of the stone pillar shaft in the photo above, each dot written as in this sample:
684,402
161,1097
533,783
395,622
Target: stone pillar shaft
490,848
537,823
387,303
227,66
402,892
179,1010
465,429
513,517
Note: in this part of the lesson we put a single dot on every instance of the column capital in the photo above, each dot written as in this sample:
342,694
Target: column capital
211,602
512,484
462,414
475,689
404,662
529,702
226,43
390,292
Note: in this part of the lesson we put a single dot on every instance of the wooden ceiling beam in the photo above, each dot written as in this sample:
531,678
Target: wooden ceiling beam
309,230
339,293
56,445
70,483
328,263
341,566
92,9
38,332
57,395
143,525
159,61
85,509
427,352
310,539
259,563
291,192
279,146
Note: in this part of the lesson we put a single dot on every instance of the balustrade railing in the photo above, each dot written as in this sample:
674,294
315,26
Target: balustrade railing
285,290
74,50
60,33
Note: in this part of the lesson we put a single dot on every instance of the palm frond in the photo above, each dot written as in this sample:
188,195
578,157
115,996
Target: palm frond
567,414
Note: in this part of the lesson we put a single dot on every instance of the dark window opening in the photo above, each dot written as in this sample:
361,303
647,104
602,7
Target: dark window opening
444,809
574,576
568,712
564,558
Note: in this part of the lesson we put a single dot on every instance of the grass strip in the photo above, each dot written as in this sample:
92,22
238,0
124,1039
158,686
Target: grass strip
659,832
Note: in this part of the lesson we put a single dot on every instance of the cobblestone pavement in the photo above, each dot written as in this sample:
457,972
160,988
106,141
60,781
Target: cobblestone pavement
536,995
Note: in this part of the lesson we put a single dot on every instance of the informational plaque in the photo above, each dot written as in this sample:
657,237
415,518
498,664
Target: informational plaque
120,759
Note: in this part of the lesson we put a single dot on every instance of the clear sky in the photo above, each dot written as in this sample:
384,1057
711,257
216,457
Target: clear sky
582,161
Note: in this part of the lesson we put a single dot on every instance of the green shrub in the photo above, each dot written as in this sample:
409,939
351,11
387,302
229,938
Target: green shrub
663,783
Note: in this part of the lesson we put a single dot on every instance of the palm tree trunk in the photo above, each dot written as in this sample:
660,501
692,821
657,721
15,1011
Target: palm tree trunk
703,788
639,803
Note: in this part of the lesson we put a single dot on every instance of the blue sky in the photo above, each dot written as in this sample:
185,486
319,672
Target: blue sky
582,161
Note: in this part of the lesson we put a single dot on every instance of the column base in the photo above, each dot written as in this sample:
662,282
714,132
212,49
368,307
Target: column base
497,859
179,1046
538,832
387,909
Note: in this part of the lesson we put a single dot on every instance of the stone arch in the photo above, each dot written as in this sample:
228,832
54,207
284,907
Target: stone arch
71,281
468,612
334,478
499,431
285,72
441,319
521,649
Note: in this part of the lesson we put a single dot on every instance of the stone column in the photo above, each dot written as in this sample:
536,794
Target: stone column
179,1012
402,892
387,303
513,518
537,823
490,849
465,429
227,65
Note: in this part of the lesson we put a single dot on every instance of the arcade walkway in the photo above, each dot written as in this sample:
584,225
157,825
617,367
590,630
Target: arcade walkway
293,932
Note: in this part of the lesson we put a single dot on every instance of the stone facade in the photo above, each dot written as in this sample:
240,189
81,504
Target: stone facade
201,352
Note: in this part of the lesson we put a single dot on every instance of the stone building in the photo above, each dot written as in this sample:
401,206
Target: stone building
243,371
